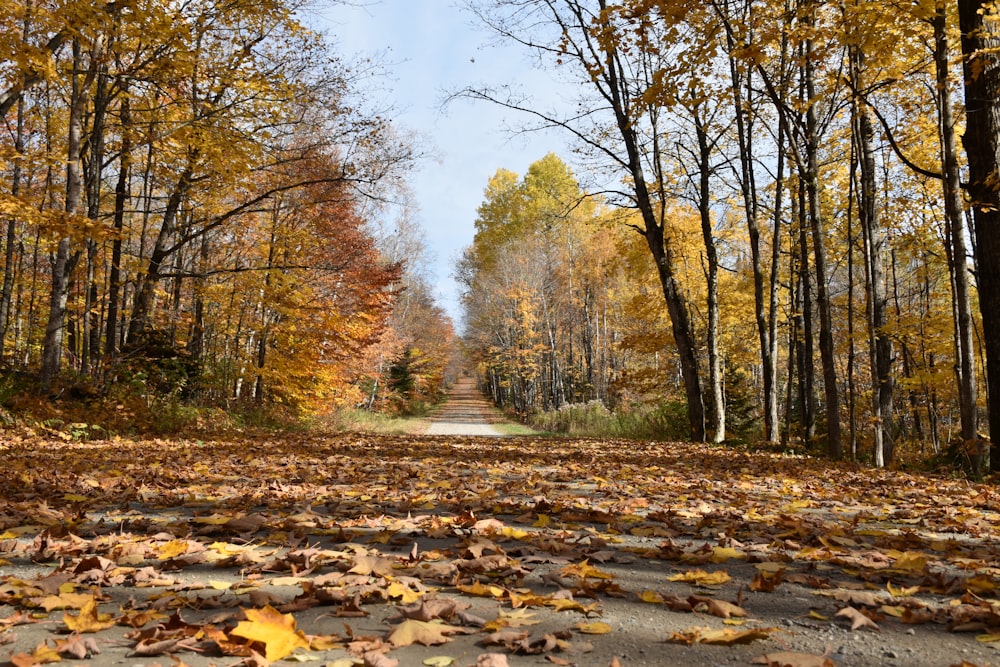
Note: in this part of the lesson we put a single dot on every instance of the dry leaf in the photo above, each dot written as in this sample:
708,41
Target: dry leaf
595,628
858,620
724,637
421,632
702,578
89,619
276,631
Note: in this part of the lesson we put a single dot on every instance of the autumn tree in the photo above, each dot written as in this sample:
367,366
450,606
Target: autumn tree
209,151
622,132
980,26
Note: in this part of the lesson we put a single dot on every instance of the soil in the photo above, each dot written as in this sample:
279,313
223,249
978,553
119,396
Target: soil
799,620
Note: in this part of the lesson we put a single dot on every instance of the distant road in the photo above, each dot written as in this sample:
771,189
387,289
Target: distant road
467,412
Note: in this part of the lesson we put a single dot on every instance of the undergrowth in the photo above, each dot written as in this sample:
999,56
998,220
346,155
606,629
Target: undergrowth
667,421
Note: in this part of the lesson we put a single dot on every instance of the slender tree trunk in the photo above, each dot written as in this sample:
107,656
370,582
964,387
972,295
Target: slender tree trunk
122,197
94,167
11,238
826,346
807,353
718,428
141,311
980,28
966,367
880,344
64,262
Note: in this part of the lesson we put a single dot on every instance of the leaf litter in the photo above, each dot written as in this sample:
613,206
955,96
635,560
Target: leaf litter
384,550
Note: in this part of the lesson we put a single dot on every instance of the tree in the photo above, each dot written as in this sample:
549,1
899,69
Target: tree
622,131
978,21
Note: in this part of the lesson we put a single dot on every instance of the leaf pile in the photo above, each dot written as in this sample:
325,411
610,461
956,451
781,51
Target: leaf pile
216,550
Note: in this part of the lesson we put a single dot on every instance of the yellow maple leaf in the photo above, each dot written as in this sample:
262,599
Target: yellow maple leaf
701,577
585,570
64,601
911,561
276,631
594,628
723,554
483,591
42,654
89,619
173,549
406,595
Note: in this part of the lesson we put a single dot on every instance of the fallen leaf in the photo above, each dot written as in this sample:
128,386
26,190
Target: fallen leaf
595,628
89,619
421,632
702,578
858,620
276,631
438,661
724,637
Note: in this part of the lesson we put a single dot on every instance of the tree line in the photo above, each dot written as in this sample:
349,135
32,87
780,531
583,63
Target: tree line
793,170
189,192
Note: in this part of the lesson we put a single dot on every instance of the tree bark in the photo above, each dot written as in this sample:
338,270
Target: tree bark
63,263
876,305
966,367
826,346
980,29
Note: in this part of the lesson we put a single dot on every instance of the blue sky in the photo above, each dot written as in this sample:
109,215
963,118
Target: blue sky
432,47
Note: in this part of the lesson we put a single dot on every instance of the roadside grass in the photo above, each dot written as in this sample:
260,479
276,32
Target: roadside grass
594,420
364,421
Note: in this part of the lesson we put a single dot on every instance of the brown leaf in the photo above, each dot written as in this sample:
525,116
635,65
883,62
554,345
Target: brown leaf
422,632
858,620
77,647
724,637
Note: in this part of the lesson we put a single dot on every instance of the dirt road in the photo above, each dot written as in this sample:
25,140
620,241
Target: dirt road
467,412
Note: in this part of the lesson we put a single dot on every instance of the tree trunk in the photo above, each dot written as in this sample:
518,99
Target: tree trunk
826,346
680,322
966,367
880,345
980,44
11,238
712,284
122,197
751,207
63,263
141,312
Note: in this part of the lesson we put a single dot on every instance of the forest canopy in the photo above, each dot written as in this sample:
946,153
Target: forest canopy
793,172
188,208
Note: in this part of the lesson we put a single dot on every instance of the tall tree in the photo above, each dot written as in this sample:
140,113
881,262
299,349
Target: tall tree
979,22
623,131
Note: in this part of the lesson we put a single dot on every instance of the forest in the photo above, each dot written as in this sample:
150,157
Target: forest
750,319
770,231
781,240
190,215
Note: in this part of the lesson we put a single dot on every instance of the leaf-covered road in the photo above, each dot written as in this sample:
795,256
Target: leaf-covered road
373,549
